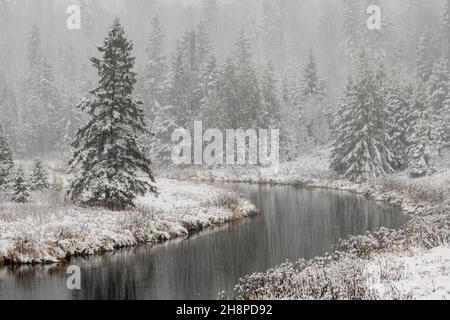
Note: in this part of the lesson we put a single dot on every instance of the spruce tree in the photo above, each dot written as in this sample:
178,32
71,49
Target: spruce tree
21,192
397,102
39,177
108,154
312,105
353,27
9,112
6,160
155,70
312,85
213,114
360,149
438,94
210,13
41,100
425,56
421,147
445,30
248,94
270,114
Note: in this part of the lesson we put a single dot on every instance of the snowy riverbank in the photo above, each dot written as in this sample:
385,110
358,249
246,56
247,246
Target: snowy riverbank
411,263
47,231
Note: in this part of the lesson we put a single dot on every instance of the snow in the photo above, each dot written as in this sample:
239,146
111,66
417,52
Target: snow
46,231
425,275
414,262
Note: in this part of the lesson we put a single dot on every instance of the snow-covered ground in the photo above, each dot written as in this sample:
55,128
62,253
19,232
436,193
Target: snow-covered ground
46,230
421,274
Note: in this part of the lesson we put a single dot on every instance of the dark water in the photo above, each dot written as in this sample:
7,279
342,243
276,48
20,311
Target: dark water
293,223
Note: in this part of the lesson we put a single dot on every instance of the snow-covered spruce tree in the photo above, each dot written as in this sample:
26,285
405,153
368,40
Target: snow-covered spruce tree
210,13
445,30
213,114
397,102
248,94
9,111
313,109
183,95
438,94
270,114
41,100
109,155
425,56
39,178
21,188
312,86
353,26
421,147
360,147
155,70
6,160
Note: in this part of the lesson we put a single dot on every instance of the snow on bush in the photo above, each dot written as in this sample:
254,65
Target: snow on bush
349,271
46,230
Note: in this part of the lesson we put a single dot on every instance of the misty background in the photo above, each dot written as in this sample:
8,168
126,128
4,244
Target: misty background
285,33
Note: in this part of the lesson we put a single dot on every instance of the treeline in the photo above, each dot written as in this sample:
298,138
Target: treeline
389,118
386,123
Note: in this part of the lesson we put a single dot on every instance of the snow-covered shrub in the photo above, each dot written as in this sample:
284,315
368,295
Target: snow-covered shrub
435,189
228,200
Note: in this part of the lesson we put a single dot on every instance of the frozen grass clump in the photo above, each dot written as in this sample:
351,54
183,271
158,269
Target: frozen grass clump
228,200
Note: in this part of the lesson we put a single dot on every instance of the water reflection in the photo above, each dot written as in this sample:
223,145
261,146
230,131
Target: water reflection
293,223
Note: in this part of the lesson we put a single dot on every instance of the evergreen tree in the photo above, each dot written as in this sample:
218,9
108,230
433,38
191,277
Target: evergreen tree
20,187
421,147
248,94
210,13
311,104
438,94
353,26
445,30
213,114
108,153
273,28
164,124
270,114
438,85
39,177
425,56
184,94
6,160
360,147
397,100
41,100
155,70
312,85
228,93
9,112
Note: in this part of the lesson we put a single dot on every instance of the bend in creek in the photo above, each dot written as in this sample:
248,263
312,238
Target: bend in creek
293,223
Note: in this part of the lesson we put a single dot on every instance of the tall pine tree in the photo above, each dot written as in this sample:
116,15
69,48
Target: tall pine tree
270,114
108,152
6,160
21,192
360,149
397,102
421,147
445,30
438,94
155,71
39,177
